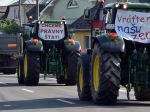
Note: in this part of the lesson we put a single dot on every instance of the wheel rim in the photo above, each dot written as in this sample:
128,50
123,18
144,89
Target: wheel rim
96,69
25,65
81,78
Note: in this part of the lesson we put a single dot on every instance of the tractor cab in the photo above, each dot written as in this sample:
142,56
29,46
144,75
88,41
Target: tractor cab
128,20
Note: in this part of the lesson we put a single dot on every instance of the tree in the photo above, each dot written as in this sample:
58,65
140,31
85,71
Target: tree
9,26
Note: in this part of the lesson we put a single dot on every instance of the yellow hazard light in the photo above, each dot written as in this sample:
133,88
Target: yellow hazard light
12,45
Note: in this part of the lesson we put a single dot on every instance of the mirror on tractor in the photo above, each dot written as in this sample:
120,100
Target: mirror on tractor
71,33
87,14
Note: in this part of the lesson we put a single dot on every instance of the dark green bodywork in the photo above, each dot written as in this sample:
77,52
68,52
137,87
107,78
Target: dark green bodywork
109,44
140,67
53,63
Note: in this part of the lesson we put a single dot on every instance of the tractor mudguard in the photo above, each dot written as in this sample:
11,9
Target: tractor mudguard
116,46
111,45
32,47
73,48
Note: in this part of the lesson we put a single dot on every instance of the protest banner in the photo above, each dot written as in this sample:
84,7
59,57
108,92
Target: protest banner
51,31
133,25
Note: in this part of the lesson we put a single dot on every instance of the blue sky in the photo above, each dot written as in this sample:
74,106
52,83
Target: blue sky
6,2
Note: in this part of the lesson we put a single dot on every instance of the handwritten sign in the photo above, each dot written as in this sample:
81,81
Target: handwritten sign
51,31
133,25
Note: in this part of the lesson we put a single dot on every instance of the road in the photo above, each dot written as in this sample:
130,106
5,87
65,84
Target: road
50,97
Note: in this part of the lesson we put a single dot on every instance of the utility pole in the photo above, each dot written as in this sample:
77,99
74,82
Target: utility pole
20,18
37,9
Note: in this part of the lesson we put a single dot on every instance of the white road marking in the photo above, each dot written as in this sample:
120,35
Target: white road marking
122,90
7,105
125,91
72,103
27,90
3,83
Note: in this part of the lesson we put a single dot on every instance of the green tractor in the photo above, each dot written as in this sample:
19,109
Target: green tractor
49,51
119,53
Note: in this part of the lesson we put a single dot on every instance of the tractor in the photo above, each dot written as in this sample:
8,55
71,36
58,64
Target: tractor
49,50
119,53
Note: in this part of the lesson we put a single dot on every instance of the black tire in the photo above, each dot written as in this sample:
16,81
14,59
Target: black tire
71,77
142,93
107,67
20,71
9,71
60,79
83,75
31,68
13,71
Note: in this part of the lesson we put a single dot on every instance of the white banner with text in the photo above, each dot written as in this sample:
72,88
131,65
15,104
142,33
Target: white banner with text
133,25
51,31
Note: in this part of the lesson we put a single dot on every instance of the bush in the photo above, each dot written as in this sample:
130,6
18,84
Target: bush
9,26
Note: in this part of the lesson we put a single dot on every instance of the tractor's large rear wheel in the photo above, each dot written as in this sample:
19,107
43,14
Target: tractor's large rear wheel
31,68
105,76
142,93
71,72
83,77
20,71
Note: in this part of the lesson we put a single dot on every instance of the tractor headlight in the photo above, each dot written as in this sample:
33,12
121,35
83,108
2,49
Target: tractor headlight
125,6
39,22
117,5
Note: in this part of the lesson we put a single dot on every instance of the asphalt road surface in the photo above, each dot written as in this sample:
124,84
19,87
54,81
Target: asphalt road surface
50,97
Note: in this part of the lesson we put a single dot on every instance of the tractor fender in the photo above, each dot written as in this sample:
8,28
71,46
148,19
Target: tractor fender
110,46
74,47
31,47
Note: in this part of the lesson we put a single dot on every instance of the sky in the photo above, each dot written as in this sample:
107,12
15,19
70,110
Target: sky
6,2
